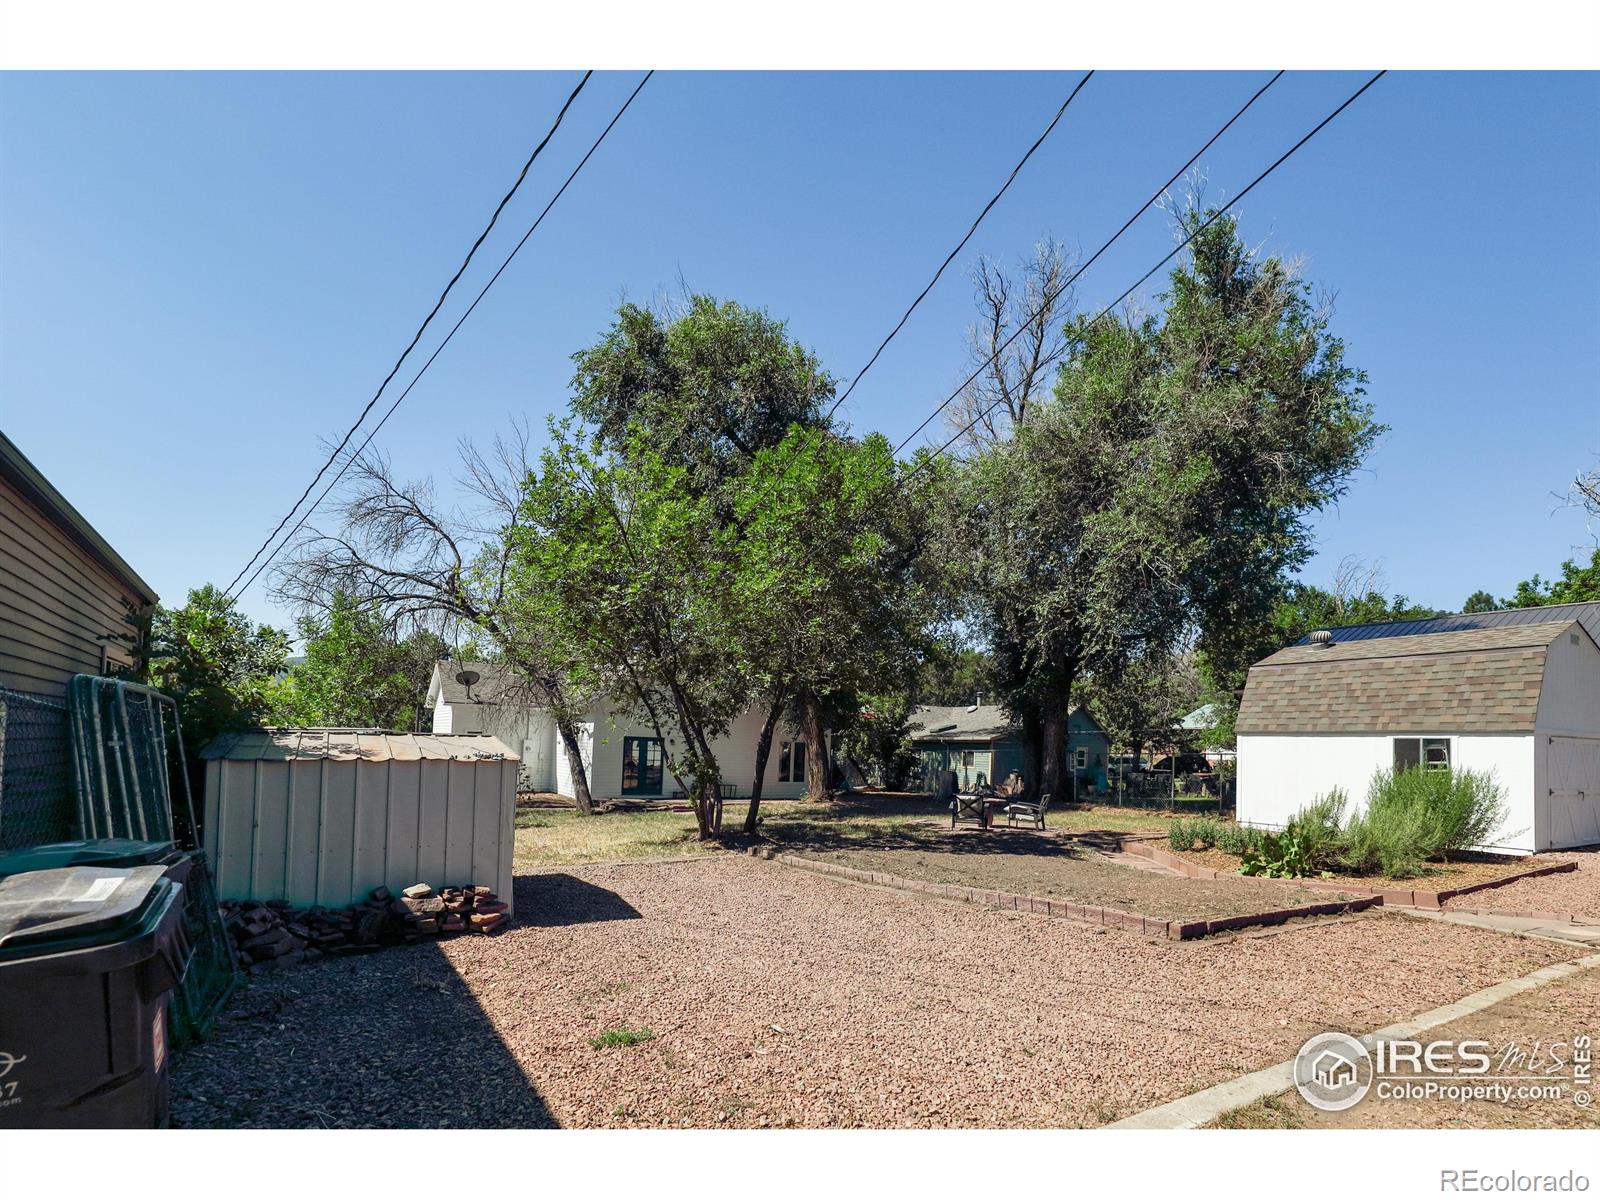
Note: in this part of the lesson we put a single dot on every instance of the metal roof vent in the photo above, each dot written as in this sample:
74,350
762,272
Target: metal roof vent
1320,637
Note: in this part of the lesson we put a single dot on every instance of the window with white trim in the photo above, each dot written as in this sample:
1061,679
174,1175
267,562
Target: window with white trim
1431,754
792,762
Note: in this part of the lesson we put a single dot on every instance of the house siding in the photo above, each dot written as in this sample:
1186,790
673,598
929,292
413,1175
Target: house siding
59,607
1280,774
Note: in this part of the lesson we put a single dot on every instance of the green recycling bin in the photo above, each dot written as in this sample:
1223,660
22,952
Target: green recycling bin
88,958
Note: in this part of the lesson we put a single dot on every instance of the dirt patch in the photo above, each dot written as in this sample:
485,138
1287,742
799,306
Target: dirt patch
1439,877
1550,1016
778,997
1575,893
1053,867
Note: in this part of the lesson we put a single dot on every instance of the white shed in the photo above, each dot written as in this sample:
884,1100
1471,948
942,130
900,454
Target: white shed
1504,692
323,816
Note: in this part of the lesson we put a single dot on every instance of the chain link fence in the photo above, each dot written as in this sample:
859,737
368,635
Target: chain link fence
37,801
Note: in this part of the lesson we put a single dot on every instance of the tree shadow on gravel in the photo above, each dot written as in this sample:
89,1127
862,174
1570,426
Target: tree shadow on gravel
391,1040
547,900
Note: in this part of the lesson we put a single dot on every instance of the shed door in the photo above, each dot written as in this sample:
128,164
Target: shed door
1572,799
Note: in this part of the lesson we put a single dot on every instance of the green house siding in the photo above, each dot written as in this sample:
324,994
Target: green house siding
971,761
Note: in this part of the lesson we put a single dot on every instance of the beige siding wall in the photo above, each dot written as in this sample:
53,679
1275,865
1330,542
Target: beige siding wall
57,604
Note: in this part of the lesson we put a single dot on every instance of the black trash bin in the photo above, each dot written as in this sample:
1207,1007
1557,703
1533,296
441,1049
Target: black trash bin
88,957
211,969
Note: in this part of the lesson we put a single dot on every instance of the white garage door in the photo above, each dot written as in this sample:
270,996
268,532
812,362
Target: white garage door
1572,801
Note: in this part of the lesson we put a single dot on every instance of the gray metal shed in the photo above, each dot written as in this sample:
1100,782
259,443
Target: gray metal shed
323,816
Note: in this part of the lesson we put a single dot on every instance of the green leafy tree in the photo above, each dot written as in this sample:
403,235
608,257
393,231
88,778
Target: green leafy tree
1145,699
1577,583
630,569
222,669
831,585
1480,602
355,673
1166,486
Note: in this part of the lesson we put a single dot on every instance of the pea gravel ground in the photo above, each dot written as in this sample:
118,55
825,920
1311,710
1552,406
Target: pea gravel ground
780,997
1571,892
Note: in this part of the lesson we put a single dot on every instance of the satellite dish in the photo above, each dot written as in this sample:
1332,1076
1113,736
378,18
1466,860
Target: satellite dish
466,679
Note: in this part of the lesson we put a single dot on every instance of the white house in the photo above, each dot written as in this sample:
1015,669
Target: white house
1514,692
622,756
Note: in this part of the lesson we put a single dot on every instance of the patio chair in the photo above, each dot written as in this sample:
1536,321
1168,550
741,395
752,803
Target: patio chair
967,805
1032,813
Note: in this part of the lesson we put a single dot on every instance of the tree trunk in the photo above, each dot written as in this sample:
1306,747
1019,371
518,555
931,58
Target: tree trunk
1052,750
580,777
1032,757
763,751
817,772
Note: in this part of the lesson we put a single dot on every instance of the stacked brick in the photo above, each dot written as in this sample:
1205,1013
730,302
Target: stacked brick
275,933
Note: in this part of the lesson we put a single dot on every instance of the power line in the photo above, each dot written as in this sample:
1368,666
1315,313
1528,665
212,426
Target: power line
421,329
1050,298
978,220
1198,229
356,454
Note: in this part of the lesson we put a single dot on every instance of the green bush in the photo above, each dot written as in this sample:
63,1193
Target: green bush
1278,856
1190,833
1236,839
1317,830
1415,815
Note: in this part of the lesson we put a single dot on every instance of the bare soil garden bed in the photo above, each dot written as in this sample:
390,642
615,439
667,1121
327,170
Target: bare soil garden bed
1466,872
1043,865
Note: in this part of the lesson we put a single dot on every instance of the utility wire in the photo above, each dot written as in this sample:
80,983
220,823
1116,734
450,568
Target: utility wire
1051,297
421,329
949,258
356,454
1284,157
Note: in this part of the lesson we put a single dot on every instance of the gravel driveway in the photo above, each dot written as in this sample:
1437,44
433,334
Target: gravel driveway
780,997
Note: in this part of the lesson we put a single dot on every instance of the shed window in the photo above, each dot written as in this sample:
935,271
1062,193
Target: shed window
641,766
1080,758
1433,754
792,762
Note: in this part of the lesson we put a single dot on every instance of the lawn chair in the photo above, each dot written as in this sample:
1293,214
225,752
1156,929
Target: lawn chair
969,805
1032,813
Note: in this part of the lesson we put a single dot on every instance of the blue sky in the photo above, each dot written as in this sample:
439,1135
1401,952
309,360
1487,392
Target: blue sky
201,275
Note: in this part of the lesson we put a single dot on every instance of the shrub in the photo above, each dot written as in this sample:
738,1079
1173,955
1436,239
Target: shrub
1187,833
1316,828
1415,815
1236,839
1278,856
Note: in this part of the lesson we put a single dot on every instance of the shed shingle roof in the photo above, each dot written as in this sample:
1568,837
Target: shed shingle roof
963,723
496,684
1466,681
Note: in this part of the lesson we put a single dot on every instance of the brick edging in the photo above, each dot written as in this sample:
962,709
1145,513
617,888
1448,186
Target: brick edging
1411,898
1089,913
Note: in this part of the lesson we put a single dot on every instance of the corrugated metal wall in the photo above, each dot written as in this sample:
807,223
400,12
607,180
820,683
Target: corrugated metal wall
328,831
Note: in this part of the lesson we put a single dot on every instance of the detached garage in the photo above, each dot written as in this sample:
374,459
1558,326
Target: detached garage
1505,692
323,816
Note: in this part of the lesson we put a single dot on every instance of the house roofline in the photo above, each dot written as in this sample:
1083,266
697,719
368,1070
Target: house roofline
17,470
